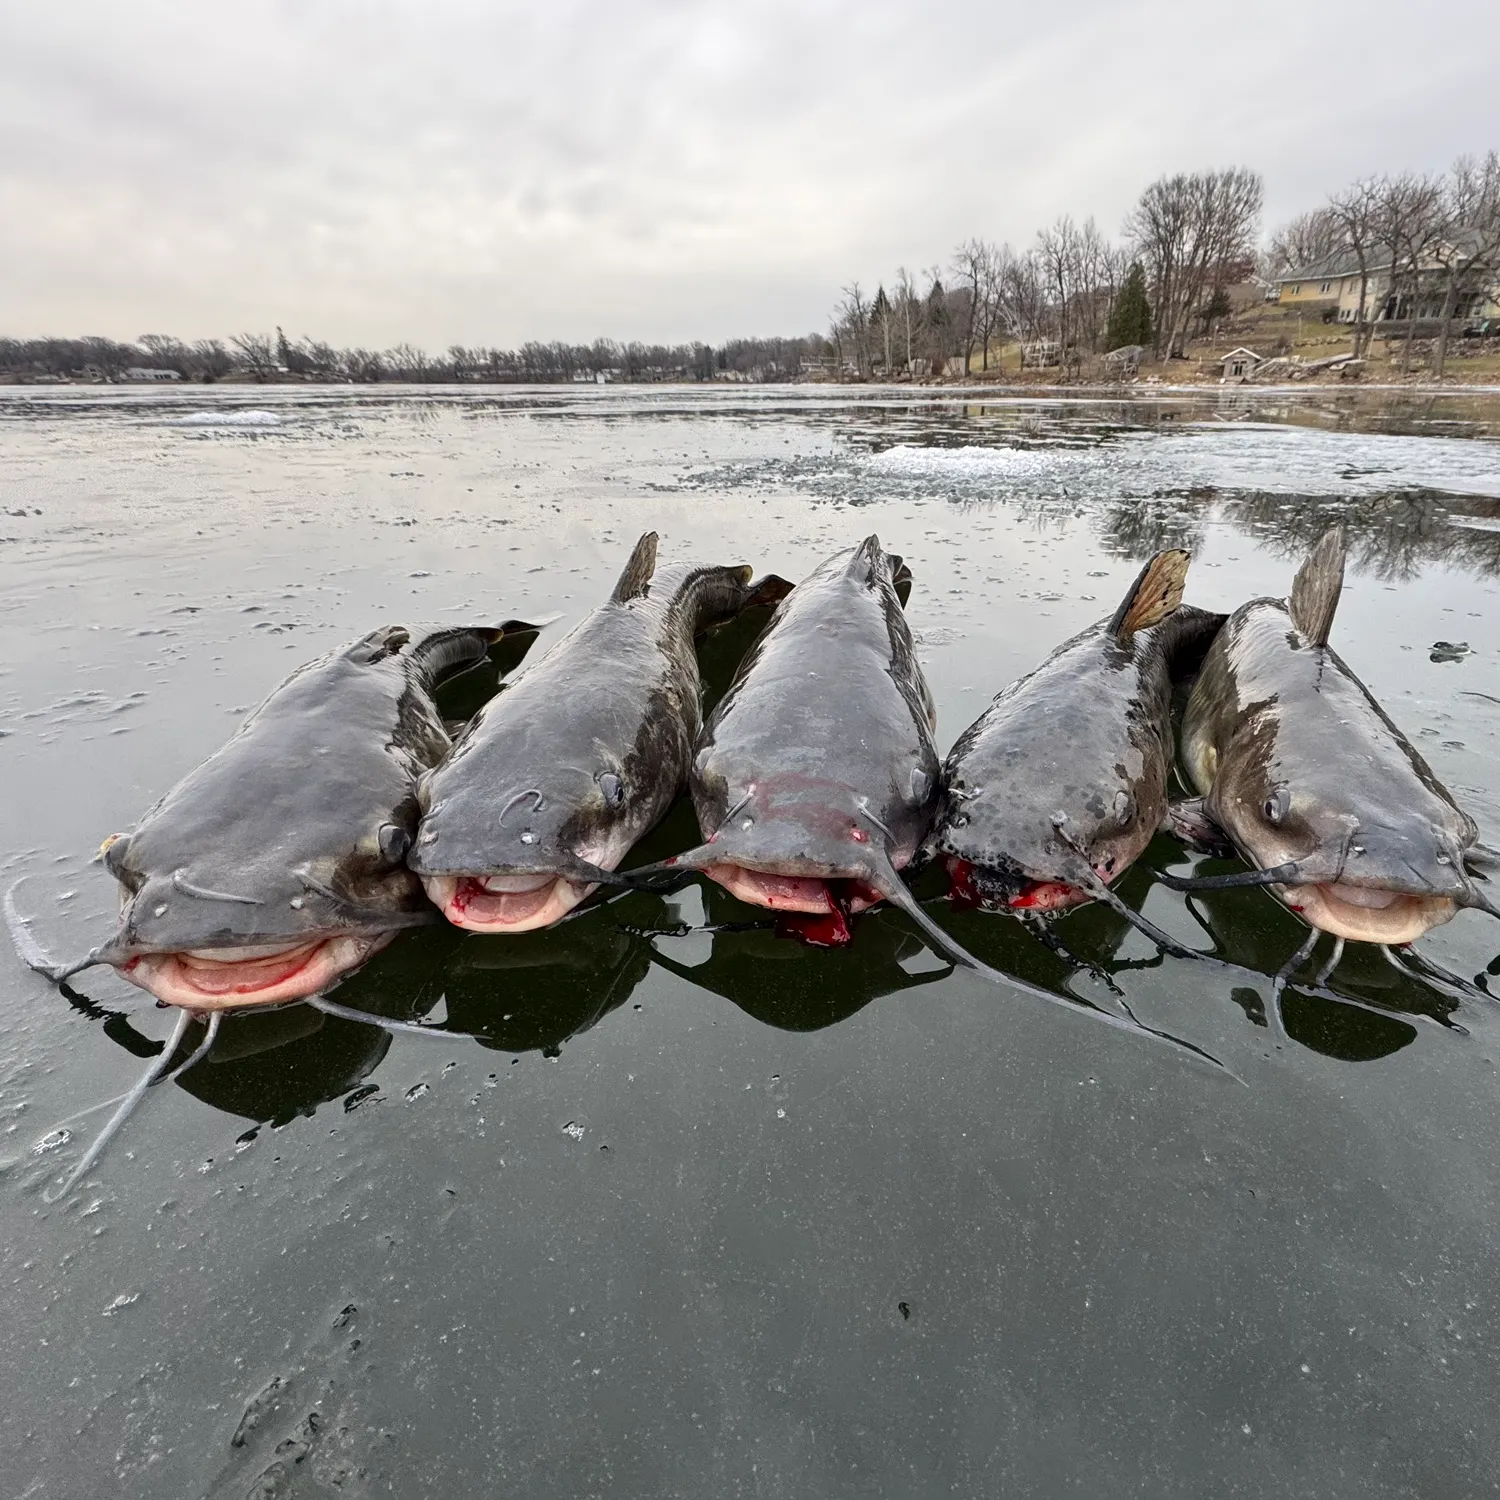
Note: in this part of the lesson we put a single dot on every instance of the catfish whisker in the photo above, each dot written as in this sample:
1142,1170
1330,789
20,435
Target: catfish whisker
186,886
1042,931
1288,874
1434,974
1333,962
891,886
1100,890
127,1106
32,954
1385,1012
369,1018
1279,980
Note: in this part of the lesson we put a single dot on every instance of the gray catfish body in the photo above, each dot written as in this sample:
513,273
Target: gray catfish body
577,756
279,863
818,764
1312,782
1062,781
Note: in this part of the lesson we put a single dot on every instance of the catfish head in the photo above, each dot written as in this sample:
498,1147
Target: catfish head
1366,851
1040,859
1060,785
207,933
784,838
522,857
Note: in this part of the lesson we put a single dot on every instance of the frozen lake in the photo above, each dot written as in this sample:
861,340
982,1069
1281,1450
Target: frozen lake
708,1213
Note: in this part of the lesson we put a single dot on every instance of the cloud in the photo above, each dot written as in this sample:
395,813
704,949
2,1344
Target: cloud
487,173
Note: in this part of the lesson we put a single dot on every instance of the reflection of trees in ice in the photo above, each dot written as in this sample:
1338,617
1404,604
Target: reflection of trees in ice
1391,536
1416,483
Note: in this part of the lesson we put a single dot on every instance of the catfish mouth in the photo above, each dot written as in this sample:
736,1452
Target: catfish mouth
815,895
989,888
505,903
1367,913
814,909
209,979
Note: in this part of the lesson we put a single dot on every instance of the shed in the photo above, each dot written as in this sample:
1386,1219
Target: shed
1239,364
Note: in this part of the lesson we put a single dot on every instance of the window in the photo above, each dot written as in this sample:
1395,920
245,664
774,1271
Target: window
1325,286
1295,288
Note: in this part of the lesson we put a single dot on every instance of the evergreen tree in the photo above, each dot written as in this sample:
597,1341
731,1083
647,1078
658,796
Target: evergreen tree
1130,317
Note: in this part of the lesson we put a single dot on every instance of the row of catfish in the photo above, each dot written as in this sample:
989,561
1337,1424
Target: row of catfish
343,810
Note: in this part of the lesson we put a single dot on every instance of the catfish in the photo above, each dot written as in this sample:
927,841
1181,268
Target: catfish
279,864
578,755
1059,786
816,777
1304,774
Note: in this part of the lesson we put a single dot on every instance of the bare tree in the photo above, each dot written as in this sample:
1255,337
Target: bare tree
257,353
1356,212
1188,230
1021,298
1309,240
1407,219
211,359
1466,248
908,313
851,329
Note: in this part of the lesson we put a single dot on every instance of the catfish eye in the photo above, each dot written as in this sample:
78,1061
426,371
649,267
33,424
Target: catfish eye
612,787
1276,807
394,842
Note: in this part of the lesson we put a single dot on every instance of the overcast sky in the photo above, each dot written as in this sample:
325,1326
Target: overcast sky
470,171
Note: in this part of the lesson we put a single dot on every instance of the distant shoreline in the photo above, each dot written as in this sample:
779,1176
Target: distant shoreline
949,385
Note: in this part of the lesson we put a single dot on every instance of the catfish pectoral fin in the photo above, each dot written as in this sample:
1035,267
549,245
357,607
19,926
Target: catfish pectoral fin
1191,822
893,888
439,651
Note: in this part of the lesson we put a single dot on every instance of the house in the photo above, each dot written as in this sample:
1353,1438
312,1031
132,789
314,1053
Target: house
140,372
1333,286
1040,355
1239,364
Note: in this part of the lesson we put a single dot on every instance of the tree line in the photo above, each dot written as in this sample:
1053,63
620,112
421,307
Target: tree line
1190,235
266,357
1164,281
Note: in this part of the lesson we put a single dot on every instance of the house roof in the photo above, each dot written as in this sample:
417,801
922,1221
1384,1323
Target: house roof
1468,241
1241,350
1334,266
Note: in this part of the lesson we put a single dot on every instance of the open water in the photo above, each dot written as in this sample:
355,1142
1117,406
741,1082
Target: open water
706,1212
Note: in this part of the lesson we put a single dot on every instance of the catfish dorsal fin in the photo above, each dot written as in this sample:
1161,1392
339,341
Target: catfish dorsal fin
1317,586
636,578
1156,592
867,558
